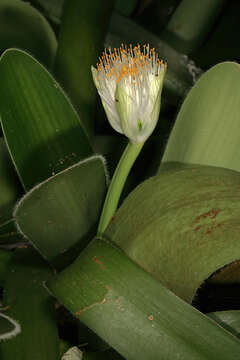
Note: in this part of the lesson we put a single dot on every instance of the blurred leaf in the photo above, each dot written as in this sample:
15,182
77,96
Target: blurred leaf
29,302
43,133
154,15
229,320
181,73
222,43
191,23
63,211
134,313
181,226
125,7
10,188
111,147
52,9
9,328
25,28
207,127
81,38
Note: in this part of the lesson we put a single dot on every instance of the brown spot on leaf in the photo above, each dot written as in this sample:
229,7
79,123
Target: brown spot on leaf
197,228
103,301
97,261
209,214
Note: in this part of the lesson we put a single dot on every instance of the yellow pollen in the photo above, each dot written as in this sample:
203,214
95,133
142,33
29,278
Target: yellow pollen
125,62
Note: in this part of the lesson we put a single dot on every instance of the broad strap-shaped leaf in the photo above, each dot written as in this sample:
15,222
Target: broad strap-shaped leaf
134,313
207,129
63,211
9,328
43,132
24,27
181,226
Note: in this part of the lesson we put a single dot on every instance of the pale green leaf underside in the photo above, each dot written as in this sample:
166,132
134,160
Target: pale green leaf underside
181,226
207,129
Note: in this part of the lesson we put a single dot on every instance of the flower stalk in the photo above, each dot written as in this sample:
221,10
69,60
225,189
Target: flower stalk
117,183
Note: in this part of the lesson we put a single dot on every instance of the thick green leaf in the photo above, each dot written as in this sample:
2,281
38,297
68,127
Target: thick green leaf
25,28
10,188
207,127
9,328
229,320
28,302
82,33
134,313
63,211
181,226
42,130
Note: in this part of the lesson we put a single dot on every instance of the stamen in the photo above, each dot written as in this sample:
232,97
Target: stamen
129,63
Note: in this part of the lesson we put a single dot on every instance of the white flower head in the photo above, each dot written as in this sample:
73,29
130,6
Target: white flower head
129,81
